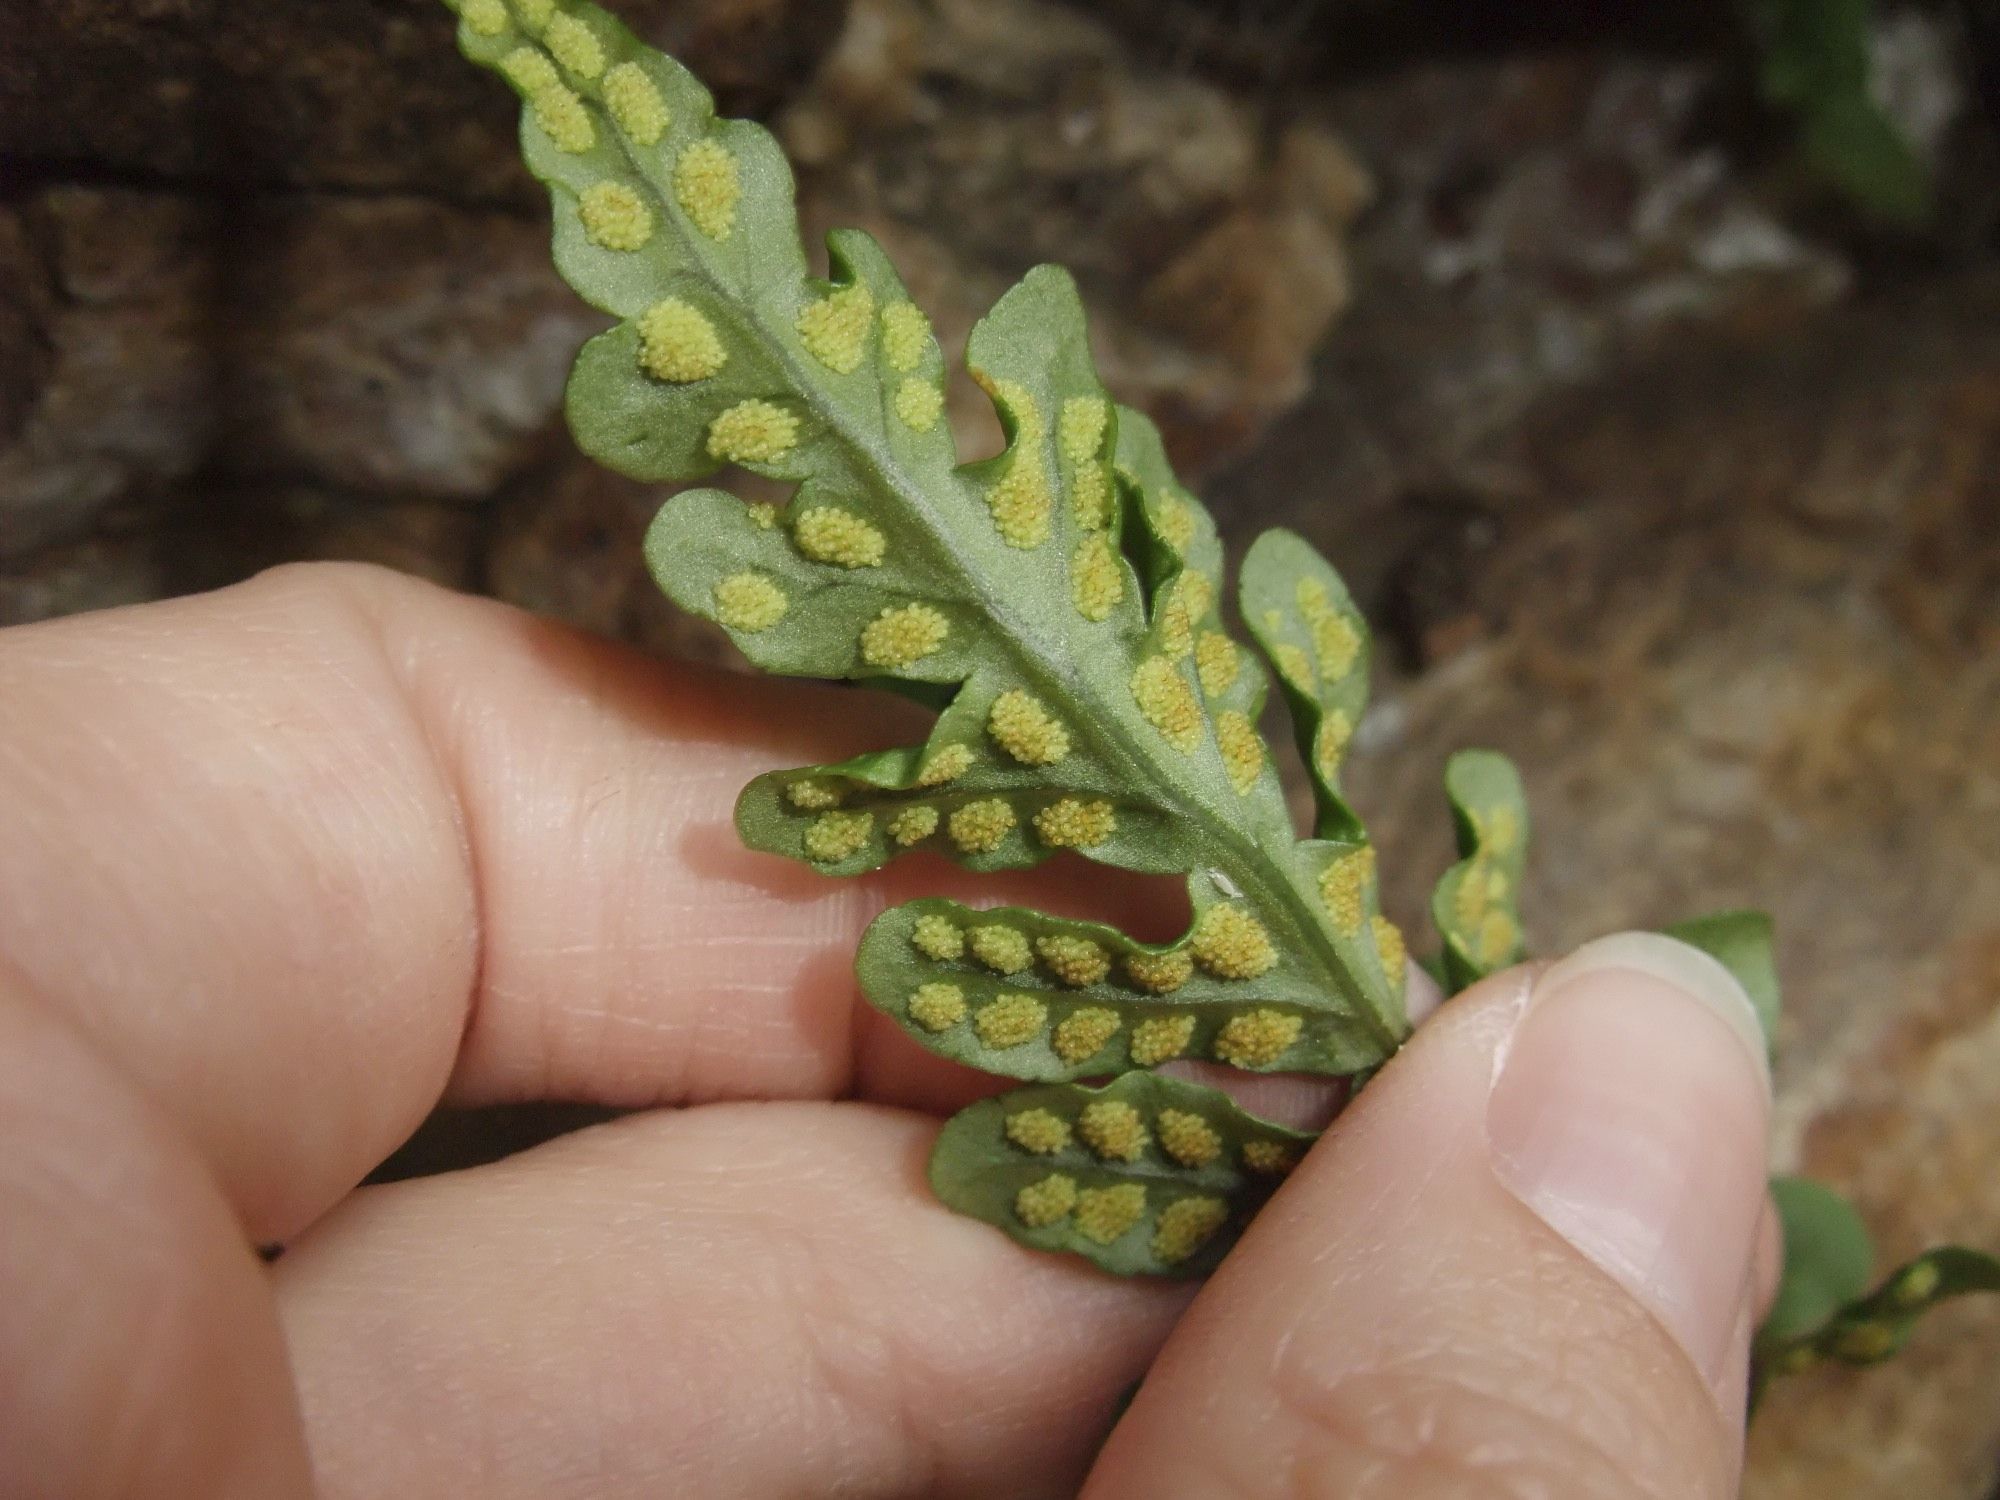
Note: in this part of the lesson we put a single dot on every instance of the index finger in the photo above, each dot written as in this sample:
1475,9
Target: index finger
304,853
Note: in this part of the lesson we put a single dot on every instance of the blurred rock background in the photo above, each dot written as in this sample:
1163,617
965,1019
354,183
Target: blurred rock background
1657,464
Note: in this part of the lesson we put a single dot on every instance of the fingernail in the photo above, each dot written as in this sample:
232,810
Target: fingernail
1630,1116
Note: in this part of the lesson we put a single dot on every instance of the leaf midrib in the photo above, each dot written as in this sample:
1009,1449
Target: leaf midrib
1255,867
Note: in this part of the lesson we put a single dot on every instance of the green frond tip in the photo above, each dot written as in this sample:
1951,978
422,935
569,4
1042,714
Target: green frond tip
1824,1312
1304,621
1147,1175
1743,942
1476,904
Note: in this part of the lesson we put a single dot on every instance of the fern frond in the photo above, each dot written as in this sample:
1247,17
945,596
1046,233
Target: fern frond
1476,904
1147,1174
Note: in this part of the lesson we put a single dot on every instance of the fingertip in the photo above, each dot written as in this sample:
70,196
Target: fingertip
1629,1115
1401,1311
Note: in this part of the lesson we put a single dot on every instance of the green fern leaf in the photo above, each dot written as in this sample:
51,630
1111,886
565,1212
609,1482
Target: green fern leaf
1742,942
1058,602
1824,1312
1300,614
1147,1174
1475,905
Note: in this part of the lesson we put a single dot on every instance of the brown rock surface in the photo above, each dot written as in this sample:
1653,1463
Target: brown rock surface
978,137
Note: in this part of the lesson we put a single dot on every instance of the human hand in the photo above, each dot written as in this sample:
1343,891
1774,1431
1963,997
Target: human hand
284,866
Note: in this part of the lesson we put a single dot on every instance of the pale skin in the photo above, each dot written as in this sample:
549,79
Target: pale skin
285,866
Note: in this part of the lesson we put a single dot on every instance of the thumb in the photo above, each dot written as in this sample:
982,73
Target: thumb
1522,1263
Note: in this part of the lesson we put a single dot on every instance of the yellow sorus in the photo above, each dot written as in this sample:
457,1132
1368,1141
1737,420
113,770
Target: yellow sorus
1336,731
835,328
1188,1138
635,103
535,13
1113,1130
485,17
575,45
615,217
1864,1341
950,763
1047,1202
1074,824
707,187
1497,938
749,602
1174,520
813,795
1343,886
678,343
838,835
1161,1038
918,403
1026,730
1076,961
530,71
1469,901
906,333
1917,1285
1797,1360
762,514
1019,405
1083,1033
1080,428
1338,644
1502,828
1295,667
563,119
1232,944
1002,949
1090,497
1096,582
1020,502
913,825
1038,1131
1195,593
1176,629
828,534
1168,703
753,432
901,635
1389,944
1185,1225
1242,751
1104,1214
1334,635
1270,1158
1160,973
1010,1021
1257,1038
1216,662
937,938
937,1005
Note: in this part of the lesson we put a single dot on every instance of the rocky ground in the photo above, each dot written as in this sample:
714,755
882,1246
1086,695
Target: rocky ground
1651,469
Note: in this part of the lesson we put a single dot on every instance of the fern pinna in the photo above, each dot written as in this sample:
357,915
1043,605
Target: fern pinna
1058,605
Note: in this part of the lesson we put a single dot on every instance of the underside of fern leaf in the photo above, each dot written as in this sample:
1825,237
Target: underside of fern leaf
1058,601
